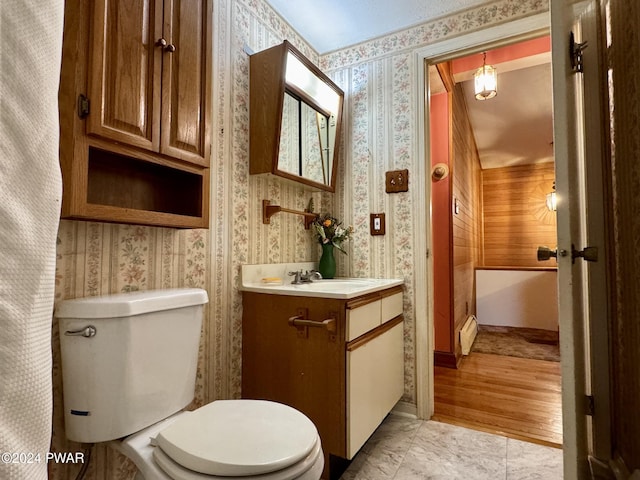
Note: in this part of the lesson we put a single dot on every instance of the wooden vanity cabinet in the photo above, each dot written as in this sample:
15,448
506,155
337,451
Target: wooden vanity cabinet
344,370
135,108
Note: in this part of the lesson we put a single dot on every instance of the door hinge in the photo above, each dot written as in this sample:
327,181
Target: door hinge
589,405
590,254
83,106
575,53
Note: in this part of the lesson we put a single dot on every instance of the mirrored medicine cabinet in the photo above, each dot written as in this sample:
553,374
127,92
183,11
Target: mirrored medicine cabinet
295,118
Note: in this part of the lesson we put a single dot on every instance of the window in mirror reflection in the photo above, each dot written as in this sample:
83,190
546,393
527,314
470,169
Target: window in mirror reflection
307,138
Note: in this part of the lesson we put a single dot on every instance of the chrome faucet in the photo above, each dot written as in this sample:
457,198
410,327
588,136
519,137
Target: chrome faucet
297,280
307,277
314,275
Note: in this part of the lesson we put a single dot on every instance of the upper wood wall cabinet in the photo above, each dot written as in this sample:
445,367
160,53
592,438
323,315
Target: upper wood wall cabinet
295,118
135,107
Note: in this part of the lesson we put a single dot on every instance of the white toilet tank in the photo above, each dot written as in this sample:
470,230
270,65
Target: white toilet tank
128,360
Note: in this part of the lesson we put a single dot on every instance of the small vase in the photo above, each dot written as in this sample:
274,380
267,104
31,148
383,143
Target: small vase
327,263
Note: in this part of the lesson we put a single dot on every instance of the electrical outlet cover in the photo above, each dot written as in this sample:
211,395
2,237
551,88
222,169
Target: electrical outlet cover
377,224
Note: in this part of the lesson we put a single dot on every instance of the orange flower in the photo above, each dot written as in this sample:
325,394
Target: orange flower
328,230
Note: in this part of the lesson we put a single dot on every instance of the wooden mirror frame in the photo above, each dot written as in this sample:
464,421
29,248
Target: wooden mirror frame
267,90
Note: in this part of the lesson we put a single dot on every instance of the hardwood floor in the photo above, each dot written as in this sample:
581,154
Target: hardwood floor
516,397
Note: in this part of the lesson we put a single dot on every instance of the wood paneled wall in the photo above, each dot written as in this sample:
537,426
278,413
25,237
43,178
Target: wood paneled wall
516,219
467,232
501,219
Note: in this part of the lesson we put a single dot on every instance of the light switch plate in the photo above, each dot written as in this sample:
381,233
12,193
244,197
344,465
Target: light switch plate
377,224
397,181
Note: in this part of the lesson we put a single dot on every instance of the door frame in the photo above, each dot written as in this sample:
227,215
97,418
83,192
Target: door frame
492,37
575,450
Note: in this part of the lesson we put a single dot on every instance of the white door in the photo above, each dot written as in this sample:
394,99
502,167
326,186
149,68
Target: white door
578,141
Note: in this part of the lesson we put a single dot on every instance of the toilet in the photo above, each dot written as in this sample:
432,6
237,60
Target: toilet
128,371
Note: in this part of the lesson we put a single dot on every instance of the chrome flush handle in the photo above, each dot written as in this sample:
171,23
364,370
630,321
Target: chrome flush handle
87,332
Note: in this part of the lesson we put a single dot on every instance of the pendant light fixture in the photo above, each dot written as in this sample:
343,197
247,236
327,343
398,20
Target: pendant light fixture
486,80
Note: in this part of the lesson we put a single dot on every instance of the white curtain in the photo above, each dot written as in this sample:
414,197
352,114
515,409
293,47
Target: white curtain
30,195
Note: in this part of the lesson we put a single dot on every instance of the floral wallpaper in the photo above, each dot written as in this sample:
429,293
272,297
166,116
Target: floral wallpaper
378,78
492,13
381,94
238,235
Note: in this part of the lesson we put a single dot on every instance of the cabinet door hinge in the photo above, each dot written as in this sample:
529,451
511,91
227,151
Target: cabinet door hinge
589,405
83,106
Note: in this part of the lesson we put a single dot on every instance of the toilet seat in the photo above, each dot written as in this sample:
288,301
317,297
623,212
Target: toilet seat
238,438
309,468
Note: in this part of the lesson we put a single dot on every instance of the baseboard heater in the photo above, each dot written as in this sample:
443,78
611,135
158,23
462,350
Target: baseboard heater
468,334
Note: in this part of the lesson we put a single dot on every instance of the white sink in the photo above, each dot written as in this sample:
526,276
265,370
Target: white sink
274,279
336,285
343,288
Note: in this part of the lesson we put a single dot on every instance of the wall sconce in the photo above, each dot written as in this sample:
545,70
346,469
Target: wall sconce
486,80
552,202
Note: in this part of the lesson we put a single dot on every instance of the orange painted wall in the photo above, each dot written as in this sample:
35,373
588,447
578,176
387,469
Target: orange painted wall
504,54
441,223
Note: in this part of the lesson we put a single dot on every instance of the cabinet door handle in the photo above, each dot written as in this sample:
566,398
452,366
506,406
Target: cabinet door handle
170,48
329,323
161,42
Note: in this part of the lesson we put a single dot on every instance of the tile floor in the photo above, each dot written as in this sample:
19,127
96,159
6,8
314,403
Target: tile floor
404,448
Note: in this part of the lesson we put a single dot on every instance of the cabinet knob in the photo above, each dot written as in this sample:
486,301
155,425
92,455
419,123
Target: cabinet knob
170,48
161,42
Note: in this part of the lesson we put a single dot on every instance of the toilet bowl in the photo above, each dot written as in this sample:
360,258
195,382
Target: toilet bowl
128,369
239,439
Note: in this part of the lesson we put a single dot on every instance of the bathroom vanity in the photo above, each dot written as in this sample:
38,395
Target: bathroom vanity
329,350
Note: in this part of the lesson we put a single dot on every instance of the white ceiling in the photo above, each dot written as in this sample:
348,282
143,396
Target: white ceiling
513,128
334,24
516,126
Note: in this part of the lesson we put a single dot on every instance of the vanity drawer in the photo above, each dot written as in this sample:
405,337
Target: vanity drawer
362,319
391,306
367,315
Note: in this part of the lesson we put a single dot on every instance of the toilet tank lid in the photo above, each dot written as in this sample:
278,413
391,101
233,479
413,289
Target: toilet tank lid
128,304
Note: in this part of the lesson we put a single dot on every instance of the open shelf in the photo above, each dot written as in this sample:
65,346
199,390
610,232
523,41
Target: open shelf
120,181
120,188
